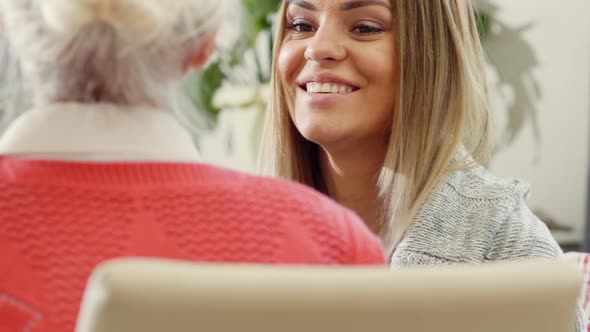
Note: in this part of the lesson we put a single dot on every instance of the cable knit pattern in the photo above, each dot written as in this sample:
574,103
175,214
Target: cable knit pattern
475,217
58,220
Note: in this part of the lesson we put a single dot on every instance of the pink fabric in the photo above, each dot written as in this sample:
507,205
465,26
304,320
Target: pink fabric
583,261
58,220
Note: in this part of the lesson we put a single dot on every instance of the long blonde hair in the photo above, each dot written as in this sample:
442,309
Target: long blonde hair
441,105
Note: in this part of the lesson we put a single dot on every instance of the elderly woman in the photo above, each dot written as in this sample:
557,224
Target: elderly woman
100,166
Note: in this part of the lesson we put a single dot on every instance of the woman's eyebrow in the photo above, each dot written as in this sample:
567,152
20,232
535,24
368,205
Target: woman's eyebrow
345,6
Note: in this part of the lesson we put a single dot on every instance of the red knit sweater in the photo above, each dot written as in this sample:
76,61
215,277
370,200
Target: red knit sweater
58,220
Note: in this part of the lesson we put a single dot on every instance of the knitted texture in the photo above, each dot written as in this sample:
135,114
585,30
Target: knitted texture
58,220
473,218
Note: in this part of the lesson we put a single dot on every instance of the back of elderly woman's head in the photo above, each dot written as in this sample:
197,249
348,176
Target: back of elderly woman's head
127,52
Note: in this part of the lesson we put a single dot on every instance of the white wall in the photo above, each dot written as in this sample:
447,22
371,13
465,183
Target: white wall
556,166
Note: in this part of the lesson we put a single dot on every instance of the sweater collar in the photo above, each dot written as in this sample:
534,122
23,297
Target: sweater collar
98,132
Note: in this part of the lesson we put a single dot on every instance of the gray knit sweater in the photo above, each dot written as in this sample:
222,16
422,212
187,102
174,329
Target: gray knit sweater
475,217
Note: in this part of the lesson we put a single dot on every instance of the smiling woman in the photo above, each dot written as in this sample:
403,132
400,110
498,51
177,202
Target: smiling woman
328,91
382,105
373,99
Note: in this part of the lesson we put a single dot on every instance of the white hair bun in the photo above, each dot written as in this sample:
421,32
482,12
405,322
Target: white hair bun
130,18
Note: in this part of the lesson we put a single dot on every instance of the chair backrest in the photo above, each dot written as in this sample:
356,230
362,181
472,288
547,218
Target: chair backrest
166,296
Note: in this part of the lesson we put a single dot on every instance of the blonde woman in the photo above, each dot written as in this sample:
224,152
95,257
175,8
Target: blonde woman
100,167
382,106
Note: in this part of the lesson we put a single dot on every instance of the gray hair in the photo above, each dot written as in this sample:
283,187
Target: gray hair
13,94
127,52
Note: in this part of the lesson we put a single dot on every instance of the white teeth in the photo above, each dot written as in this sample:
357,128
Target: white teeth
314,87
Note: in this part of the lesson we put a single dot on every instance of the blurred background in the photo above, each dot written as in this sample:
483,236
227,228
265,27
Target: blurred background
539,72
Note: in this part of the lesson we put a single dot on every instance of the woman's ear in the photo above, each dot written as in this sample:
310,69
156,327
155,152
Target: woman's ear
201,54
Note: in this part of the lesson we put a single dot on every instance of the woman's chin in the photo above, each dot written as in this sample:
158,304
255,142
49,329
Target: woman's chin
323,137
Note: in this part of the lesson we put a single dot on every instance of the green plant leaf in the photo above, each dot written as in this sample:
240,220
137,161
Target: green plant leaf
201,88
484,24
256,17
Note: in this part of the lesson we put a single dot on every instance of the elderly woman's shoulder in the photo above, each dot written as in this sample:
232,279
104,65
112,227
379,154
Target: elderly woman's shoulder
291,197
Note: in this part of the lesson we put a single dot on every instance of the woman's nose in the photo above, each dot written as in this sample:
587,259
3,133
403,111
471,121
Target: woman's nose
327,44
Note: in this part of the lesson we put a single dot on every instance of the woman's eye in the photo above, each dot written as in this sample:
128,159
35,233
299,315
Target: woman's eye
300,27
367,29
